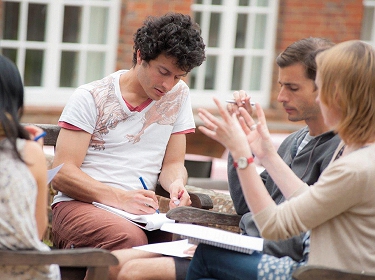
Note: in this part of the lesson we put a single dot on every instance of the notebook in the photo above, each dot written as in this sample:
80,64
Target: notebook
216,237
148,222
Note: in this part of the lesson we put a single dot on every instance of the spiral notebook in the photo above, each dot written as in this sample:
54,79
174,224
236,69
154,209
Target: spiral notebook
216,237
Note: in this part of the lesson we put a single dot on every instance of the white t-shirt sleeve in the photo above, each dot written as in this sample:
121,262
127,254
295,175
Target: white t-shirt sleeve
80,110
185,119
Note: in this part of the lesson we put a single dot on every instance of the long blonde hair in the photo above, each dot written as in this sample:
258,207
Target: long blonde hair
347,73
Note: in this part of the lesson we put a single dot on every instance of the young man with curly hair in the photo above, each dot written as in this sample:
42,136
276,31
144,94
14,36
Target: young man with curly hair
129,124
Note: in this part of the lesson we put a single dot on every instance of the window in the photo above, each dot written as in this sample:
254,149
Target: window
72,42
240,44
368,22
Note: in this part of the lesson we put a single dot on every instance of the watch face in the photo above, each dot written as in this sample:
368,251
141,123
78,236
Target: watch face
242,163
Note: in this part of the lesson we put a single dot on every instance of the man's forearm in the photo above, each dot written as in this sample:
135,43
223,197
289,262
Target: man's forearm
172,173
76,184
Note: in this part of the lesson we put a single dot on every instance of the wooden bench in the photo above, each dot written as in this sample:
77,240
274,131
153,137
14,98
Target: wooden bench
313,272
73,262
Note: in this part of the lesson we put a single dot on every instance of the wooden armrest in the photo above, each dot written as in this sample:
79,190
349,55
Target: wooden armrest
312,272
63,257
72,261
185,214
52,131
198,200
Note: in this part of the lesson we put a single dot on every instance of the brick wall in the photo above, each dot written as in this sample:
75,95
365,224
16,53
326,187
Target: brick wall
337,20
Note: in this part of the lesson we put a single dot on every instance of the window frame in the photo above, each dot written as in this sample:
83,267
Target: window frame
369,4
53,46
230,9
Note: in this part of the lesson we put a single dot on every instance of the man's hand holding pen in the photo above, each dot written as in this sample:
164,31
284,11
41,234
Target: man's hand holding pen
139,202
179,196
146,188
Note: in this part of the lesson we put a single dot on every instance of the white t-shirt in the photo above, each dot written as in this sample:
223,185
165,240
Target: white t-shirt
126,145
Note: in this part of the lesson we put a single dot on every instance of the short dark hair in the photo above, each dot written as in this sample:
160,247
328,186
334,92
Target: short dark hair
174,35
304,51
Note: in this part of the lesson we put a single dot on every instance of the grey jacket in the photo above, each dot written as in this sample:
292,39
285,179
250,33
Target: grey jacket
307,165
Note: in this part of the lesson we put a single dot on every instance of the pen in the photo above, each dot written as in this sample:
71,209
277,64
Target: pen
177,202
40,136
234,102
145,187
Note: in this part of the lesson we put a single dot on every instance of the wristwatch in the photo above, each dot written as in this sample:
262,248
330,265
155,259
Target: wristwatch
243,162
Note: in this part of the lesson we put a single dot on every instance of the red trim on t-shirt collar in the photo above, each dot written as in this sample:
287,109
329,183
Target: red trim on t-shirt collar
140,107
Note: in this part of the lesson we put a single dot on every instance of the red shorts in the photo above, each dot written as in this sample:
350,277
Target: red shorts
78,224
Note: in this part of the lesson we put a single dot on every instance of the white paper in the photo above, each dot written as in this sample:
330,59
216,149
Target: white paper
173,248
148,222
52,173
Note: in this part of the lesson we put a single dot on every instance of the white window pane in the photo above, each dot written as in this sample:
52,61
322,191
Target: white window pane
256,73
95,66
214,32
68,69
33,68
72,24
211,62
193,78
262,3
259,35
241,30
11,20
98,25
198,18
237,73
244,3
36,22
368,24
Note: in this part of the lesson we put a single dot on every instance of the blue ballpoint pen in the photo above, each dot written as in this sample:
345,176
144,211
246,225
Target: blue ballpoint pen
145,187
40,136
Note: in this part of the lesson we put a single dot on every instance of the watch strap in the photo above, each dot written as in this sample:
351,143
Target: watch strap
249,161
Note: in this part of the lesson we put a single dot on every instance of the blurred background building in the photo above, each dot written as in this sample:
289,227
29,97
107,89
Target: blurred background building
61,44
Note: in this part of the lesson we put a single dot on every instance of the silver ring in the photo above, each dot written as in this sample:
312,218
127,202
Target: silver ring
253,127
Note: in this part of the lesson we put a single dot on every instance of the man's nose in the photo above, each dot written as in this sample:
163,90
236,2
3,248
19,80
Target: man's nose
169,83
283,95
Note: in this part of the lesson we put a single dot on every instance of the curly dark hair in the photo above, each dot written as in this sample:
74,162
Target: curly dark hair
174,35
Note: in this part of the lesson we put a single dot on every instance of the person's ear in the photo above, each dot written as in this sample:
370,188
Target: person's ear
336,95
139,59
